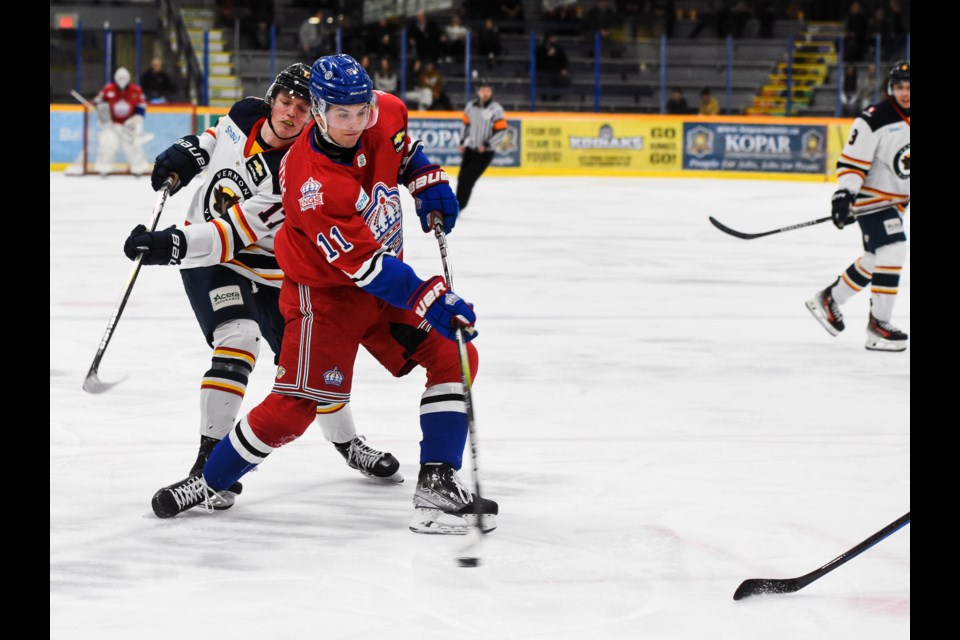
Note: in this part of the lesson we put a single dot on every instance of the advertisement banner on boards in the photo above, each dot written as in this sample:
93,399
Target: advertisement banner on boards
601,145
763,148
441,141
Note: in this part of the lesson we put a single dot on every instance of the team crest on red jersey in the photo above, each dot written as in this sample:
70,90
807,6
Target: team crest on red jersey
383,215
310,195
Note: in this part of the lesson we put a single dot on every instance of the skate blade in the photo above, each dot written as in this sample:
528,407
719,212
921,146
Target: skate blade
396,478
879,344
814,310
437,522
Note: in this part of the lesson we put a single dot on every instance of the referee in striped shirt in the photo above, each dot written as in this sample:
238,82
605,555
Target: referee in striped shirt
483,128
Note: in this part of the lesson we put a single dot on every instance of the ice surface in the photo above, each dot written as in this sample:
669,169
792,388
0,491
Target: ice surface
659,418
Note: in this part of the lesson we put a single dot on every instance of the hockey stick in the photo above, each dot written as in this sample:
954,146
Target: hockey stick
759,586
751,236
469,555
92,383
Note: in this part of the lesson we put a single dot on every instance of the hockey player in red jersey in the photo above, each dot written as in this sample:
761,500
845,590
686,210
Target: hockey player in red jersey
346,285
121,109
226,255
873,180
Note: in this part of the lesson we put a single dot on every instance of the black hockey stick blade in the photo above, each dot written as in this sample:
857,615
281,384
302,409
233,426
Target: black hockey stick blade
762,586
93,384
751,236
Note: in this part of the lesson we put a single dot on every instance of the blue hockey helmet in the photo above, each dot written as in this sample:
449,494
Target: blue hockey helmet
340,80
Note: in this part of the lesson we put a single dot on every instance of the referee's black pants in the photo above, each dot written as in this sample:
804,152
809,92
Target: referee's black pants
472,167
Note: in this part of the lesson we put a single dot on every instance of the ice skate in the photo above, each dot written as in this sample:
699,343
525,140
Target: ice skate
442,505
883,336
369,461
186,494
827,312
206,446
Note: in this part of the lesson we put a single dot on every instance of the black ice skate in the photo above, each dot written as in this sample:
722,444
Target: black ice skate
187,494
883,336
369,461
827,312
206,446
443,505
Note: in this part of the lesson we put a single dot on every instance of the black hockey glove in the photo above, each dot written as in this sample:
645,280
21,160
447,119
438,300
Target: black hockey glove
158,247
842,201
185,157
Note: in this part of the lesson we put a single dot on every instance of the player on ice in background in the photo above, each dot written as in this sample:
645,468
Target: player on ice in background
226,255
341,250
121,109
483,128
873,175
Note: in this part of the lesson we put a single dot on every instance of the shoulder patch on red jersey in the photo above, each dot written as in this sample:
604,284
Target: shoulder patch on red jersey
398,140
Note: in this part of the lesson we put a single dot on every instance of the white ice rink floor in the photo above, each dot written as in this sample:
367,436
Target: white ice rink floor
659,418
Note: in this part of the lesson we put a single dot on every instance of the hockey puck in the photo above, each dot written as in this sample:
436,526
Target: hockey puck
468,562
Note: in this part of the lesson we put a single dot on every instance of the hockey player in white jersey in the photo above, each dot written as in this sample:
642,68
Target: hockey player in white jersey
225,252
873,176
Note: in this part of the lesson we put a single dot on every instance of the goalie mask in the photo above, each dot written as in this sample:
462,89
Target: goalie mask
339,80
121,77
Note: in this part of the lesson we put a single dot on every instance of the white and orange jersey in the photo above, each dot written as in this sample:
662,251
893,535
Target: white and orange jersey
236,213
875,163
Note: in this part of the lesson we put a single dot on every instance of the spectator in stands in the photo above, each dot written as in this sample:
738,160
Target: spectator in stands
766,14
432,78
566,18
381,40
664,16
894,33
716,13
857,26
511,14
385,78
156,84
261,17
709,106
850,92
454,40
424,36
315,36
740,14
677,103
601,19
868,87
488,43
421,96
552,69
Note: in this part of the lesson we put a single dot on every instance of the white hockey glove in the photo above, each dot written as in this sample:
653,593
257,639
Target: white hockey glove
103,113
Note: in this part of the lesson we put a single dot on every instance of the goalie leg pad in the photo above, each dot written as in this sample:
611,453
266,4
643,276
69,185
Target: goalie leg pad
108,143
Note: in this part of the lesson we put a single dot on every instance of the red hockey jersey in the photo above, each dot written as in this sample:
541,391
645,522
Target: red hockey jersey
123,103
342,216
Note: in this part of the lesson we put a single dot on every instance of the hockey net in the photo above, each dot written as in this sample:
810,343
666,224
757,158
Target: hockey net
85,162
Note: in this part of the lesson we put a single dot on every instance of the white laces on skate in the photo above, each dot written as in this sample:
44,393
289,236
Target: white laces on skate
191,491
465,496
362,455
